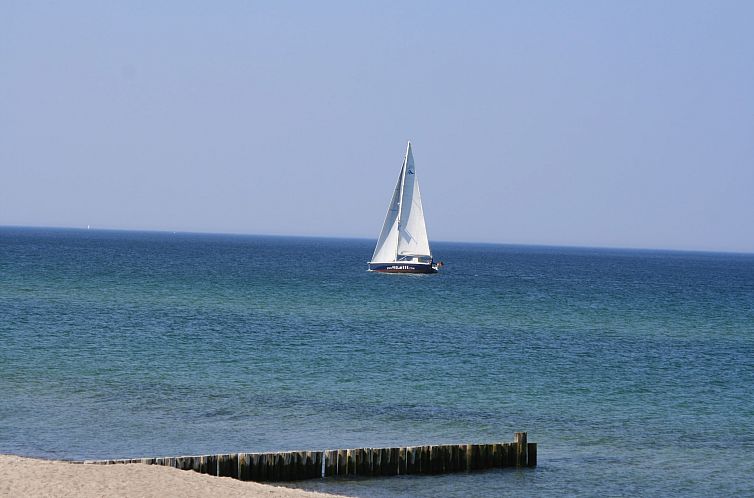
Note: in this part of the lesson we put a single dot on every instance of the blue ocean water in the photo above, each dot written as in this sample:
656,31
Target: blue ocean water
633,370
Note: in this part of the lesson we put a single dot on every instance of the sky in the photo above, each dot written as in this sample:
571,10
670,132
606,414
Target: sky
586,123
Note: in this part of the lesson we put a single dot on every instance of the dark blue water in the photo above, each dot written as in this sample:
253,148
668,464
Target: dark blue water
633,370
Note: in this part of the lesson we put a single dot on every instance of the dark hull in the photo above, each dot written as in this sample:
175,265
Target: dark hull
402,267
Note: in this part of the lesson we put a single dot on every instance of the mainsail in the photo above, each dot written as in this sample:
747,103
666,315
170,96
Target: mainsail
404,233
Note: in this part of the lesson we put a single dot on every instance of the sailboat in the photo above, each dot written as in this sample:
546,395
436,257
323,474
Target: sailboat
403,245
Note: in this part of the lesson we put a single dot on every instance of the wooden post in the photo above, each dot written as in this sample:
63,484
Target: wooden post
209,464
273,467
381,462
203,465
363,461
351,462
287,471
267,460
393,468
304,464
418,453
490,456
280,467
483,457
355,461
331,463
256,467
455,458
227,465
288,461
495,456
465,455
375,455
432,455
532,455
370,454
254,470
435,458
478,457
271,464
520,440
367,455
290,466
412,465
263,467
273,473
426,463
342,463
244,467
314,464
447,458
285,466
297,465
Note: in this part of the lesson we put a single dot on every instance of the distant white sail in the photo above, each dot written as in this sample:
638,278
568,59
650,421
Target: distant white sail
387,245
404,233
413,240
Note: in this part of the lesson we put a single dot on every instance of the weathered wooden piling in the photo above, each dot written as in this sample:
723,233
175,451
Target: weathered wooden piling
521,448
531,455
331,463
361,462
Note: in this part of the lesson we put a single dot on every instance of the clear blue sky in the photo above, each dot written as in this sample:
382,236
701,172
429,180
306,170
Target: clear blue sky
626,124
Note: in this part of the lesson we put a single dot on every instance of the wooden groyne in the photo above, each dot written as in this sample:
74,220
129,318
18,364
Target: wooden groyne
361,462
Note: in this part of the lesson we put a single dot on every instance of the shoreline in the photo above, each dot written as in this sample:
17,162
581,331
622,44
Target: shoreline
32,477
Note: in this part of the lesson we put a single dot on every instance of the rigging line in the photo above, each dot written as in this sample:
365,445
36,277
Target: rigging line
400,198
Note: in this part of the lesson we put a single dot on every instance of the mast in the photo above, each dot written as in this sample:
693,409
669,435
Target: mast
400,203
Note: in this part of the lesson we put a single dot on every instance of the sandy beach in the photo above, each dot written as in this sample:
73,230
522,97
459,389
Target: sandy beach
30,477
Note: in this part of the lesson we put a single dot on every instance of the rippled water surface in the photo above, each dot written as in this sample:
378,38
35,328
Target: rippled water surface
633,370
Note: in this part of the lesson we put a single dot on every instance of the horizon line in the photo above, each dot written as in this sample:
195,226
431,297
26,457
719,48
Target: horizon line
352,237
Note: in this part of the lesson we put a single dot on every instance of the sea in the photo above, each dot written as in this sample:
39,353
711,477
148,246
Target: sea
633,370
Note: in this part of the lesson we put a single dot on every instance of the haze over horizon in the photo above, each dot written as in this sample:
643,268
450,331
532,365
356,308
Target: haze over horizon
582,124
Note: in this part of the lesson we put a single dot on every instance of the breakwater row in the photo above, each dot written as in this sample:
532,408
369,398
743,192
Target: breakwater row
359,462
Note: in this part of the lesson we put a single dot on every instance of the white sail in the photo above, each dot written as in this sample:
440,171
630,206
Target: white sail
413,240
387,244
404,233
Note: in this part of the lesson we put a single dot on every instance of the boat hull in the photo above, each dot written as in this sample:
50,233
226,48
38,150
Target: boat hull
403,267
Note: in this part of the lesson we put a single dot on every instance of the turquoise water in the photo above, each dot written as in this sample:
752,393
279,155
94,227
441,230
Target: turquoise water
633,370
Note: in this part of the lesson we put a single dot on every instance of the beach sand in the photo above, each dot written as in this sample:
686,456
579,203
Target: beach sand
29,477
